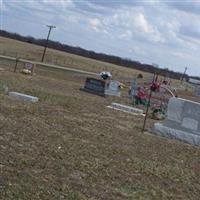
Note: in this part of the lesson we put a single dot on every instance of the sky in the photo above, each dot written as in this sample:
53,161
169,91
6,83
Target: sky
166,33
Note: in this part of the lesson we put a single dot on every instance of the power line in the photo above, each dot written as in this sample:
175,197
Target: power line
183,74
46,43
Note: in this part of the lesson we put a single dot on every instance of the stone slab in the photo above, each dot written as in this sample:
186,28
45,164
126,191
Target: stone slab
23,97
127,109
182,122
169,132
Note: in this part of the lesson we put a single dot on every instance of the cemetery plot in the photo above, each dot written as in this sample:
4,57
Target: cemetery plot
73,146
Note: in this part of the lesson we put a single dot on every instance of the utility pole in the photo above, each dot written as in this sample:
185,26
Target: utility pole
183,74
46,43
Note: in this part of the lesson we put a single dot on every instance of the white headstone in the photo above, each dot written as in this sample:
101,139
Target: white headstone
183,121
197,90
113,88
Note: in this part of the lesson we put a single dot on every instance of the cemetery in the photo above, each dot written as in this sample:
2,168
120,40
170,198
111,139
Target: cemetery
76,135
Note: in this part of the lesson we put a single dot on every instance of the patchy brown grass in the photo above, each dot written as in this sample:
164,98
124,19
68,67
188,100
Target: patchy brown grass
70,146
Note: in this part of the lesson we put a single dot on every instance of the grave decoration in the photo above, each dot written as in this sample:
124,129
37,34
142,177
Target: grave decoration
158,93
28,68
105,75
139,76
182,122
158,96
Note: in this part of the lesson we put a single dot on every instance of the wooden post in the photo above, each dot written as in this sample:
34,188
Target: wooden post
17,60
155,78
33,69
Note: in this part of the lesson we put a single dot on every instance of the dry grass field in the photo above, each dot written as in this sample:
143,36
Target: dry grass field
70,146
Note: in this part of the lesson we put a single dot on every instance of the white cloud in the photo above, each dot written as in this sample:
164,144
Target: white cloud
156,30
59,3
127,35
2,6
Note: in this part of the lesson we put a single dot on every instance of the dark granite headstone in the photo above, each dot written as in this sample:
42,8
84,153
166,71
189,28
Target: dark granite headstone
95,86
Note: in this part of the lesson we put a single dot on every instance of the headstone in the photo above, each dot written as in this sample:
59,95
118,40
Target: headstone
197,90
94,86
113,88
23,97
182,122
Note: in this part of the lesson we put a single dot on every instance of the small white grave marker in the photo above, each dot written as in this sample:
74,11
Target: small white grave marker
23,97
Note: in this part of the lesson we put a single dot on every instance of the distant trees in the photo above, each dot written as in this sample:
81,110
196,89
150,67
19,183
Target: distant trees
98,56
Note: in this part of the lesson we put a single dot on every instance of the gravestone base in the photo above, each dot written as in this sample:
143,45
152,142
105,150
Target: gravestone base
172,133
93,92
112,93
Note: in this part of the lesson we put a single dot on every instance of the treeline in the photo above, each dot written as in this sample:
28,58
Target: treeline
98,56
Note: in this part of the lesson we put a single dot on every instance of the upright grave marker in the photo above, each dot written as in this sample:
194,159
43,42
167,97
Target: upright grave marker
182,122
112,88
95,86
102,87
197,90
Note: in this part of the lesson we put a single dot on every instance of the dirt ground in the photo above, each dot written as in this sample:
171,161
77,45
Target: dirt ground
70,146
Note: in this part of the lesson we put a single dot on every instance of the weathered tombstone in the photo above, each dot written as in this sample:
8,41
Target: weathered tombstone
197,90
113,88
182,122
95,86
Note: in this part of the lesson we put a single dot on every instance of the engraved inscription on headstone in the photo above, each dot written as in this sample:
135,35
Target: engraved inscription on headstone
113,88
95,86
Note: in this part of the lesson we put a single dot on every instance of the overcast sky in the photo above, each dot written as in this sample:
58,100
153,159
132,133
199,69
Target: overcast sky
163,32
